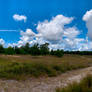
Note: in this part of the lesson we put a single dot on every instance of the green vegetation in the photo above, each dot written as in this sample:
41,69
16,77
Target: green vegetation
34,50
78,52
24,66
38,50
58,53
85,85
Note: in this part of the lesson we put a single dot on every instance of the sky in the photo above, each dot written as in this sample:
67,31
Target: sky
64,24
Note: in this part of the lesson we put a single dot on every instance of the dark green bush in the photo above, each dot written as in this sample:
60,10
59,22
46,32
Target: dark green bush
58,53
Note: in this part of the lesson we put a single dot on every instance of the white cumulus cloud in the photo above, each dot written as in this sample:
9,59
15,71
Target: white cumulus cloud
71,32
88,19
27,35
18,17
2,42
53,30
56,34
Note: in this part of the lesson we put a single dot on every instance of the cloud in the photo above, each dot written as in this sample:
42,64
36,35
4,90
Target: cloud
88,19
53,30
60,37
27,35
87,15
71,32
86,46
2,42
56,34
73,44
19,17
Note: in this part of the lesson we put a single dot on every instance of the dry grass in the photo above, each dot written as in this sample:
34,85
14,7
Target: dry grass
13,66
85,85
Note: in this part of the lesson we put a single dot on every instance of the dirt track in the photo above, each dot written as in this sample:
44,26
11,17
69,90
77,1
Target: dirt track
43,84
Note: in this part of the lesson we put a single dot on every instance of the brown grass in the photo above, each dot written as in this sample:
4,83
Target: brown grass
14,66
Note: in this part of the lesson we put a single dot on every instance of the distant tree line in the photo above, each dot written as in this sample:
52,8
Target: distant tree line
78,52
37,49
34,50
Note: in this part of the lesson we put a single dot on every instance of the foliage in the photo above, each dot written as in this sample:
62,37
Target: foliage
44,49
34,50
58,53
9,51
37,49
79,52
1,49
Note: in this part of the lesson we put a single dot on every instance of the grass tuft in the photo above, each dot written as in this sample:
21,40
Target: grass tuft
85,85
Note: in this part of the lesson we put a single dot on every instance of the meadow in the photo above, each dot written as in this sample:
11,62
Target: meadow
21,67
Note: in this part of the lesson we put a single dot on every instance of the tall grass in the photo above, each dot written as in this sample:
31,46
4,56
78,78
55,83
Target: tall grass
15,69
22,67
85,85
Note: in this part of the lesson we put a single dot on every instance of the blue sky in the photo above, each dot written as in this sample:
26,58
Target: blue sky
40,10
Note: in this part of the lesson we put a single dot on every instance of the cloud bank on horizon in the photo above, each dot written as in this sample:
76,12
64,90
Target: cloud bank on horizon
56,33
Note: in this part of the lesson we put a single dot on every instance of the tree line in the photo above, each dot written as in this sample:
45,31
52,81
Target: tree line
37,49
78,52
34,50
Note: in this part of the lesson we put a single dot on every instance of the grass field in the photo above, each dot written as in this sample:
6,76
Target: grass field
85,85
24,66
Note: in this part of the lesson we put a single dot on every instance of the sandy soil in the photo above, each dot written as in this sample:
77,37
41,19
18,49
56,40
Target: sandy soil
43,84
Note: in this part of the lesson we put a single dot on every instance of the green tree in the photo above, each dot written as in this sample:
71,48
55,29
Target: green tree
17,50
58,53
22,50
44,49
34,50
1,49
9,51
26,48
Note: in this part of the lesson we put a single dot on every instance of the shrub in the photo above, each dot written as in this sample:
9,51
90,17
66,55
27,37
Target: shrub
58,53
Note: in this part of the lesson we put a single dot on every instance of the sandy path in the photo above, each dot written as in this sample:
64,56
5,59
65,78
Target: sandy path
43,84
